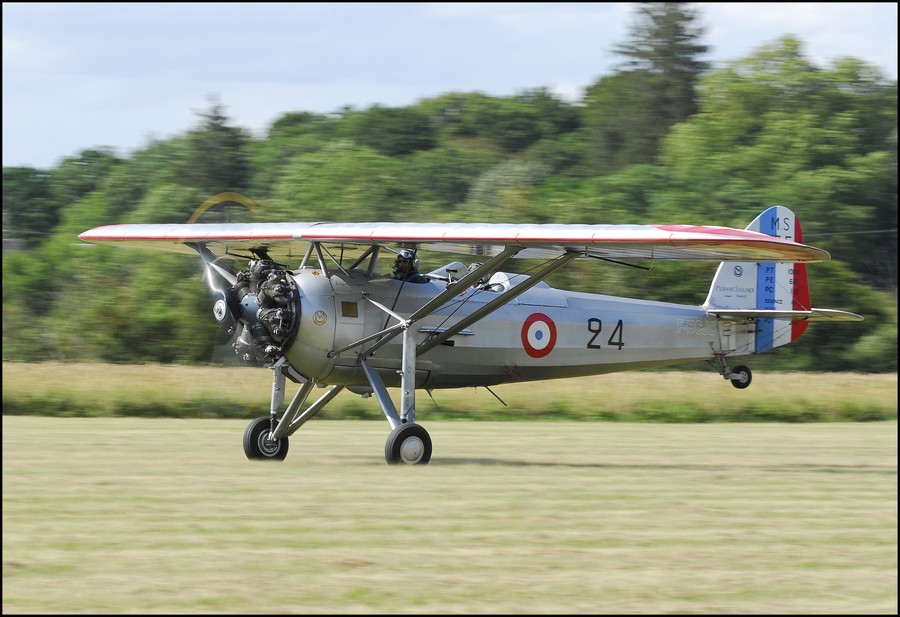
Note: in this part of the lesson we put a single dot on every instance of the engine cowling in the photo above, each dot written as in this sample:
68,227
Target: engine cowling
266,310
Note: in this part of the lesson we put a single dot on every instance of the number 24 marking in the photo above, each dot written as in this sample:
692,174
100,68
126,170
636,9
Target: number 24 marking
595,326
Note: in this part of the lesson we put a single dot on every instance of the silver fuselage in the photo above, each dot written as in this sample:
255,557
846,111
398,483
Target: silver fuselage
544,333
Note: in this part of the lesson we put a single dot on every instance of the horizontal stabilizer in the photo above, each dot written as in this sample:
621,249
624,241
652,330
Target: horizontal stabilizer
813,314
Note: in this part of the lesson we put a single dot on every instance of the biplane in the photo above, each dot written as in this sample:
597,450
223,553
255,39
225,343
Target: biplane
308,300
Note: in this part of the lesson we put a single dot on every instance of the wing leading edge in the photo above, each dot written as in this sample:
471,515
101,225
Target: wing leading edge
620,242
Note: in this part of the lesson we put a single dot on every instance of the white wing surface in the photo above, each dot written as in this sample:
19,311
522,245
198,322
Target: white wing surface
617,242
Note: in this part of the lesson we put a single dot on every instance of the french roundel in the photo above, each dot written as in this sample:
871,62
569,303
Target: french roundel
538,335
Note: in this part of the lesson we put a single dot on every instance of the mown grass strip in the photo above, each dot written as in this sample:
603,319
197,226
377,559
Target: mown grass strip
135,515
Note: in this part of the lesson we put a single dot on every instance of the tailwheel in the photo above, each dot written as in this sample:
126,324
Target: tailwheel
408,443
740,377
258,446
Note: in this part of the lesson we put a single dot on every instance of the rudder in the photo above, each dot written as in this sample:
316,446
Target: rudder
766,285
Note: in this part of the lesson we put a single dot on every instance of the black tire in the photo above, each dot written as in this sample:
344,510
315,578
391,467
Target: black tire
409,444
743,379
257,448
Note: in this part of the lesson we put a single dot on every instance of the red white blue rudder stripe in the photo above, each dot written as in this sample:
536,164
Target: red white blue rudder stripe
777,283
766,285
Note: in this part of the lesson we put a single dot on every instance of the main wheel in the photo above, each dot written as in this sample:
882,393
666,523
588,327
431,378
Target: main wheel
257,445
743,377
408,443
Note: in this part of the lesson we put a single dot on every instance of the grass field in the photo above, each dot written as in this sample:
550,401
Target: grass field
69,389
130,515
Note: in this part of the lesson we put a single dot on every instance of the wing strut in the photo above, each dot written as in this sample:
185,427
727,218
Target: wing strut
496,303
337,262
494,264
408,361
491,266
373,251
407,413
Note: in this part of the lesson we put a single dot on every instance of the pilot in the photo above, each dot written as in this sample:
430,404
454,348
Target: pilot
481,283
406,267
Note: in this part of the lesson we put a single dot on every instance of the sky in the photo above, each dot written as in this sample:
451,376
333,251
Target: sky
85,75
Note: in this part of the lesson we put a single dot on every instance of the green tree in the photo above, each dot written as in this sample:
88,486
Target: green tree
215,159
157,164
457,114
504,194
291,135
439,180
629,113
394,131
29,210
777,128
512,123
33,199
80,175
565,154
619,125
341,182
554,116
665,43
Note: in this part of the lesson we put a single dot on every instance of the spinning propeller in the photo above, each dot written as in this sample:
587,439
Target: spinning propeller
226,308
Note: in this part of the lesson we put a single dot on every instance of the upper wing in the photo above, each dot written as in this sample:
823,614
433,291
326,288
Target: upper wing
280,238
618,242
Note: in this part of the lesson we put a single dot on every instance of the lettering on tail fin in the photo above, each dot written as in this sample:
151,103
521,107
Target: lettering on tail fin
766,285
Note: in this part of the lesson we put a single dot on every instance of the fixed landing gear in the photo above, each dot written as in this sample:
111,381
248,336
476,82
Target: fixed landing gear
740,377
409,444
259,446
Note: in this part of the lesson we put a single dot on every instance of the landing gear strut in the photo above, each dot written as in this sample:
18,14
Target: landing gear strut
740,376
408,442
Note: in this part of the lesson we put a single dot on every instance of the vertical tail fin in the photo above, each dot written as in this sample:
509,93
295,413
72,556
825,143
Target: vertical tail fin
766,285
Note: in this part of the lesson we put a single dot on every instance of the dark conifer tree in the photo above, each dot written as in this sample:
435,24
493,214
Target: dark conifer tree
664,43
628,113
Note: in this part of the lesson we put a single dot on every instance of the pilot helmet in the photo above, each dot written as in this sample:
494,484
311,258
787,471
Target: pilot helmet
409,256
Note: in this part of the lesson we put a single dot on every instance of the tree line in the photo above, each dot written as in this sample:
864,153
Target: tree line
663,139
